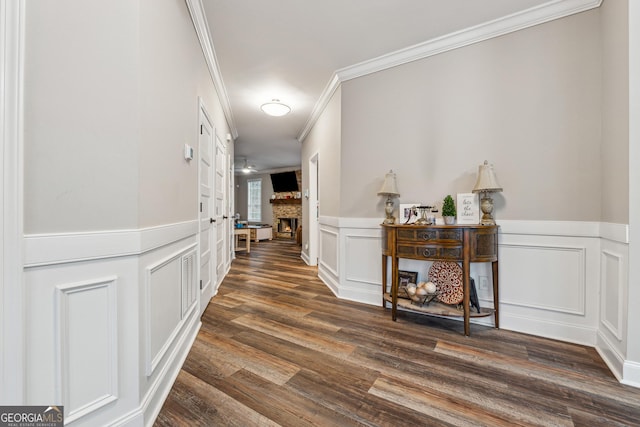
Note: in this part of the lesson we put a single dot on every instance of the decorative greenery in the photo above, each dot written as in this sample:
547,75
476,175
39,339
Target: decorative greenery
448,207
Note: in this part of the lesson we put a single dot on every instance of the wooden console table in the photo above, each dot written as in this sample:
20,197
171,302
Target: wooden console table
459,243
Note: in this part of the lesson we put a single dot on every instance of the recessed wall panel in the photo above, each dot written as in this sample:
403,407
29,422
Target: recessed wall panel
611,293
87,345
329,250
164,308
544,277
363,248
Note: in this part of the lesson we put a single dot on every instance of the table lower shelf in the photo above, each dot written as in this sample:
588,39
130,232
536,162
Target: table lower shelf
439,308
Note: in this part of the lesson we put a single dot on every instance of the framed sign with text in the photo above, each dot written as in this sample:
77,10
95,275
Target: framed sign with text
468,209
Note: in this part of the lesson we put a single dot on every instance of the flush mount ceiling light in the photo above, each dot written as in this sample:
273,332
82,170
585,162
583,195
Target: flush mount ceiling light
275,108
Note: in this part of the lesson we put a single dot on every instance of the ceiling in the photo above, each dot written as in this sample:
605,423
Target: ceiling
292,50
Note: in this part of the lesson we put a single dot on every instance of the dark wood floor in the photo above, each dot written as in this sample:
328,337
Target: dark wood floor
277,348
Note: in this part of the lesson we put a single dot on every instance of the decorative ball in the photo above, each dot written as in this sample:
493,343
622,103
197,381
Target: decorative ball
411,289
421,291
430,287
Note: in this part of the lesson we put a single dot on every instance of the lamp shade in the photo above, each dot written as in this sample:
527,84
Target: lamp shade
389,187
487,180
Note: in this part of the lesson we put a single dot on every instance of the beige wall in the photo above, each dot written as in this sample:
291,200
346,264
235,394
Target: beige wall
267,191
615,111
325,140
529,102
81,116
107,114
173,75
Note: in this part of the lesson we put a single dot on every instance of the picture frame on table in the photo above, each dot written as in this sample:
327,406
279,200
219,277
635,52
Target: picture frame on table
404,278
408,213
467,209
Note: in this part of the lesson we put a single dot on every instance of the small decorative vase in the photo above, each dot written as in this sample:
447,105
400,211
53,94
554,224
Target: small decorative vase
449,220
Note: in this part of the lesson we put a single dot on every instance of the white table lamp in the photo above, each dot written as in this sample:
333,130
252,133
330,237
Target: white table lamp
486,184
389,189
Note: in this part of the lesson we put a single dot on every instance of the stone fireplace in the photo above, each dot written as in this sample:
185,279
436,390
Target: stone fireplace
287,226
287,214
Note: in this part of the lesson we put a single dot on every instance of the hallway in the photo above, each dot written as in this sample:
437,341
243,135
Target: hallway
277,348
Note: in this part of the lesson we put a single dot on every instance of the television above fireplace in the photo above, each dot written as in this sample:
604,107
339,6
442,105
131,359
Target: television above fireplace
284,181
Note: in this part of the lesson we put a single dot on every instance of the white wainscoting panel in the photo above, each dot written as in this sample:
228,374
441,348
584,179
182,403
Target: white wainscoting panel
362,280
104,307
549,283
612,293
164,288
87,345
549,272
189,282
329,245
612,333
544,277
328,256
82,350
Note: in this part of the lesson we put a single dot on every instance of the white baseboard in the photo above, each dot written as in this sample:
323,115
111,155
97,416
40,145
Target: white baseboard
631,374
305,258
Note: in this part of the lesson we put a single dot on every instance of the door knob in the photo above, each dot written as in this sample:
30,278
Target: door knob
224,217
211,220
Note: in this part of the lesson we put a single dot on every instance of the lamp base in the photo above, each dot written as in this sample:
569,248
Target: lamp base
486,206
389,220
388,210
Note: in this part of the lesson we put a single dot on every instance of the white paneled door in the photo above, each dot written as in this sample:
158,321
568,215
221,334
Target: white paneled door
208,217
221,210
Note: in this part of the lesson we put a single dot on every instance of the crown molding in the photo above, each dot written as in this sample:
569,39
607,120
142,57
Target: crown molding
196,11
550,11
325,97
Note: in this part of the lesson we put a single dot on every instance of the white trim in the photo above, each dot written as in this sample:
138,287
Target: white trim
550,11
198,17
615,232
61,248
12,323
551,228
153,400
312,247
631,368
320,105
609,231
478,33
631,373
610,355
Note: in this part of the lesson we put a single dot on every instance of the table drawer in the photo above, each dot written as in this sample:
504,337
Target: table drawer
430,252
431,235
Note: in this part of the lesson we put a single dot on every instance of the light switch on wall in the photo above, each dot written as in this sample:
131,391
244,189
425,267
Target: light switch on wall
188,152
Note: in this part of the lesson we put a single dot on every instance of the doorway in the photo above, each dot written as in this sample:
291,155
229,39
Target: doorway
207,231
314,209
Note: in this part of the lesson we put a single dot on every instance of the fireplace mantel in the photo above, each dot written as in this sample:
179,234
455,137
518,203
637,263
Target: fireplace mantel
286,201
